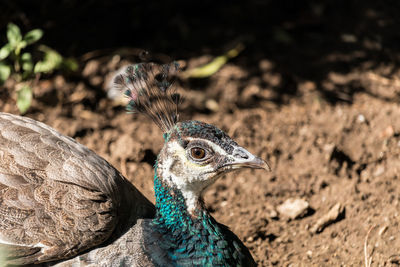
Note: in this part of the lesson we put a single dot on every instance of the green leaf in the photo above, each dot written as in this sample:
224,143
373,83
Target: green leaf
52,60
27,63
5,51
24,98
26,56
19,46
33,36
5,72
216,64
70,64
13,34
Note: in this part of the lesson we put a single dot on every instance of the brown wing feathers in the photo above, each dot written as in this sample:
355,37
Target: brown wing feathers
55,194
58,198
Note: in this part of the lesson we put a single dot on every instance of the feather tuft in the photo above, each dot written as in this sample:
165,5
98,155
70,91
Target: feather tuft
149,89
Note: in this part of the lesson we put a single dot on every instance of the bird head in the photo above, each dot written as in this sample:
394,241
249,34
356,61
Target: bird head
196,154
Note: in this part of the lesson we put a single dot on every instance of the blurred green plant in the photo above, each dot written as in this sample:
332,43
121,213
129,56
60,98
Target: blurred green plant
20,66
215,65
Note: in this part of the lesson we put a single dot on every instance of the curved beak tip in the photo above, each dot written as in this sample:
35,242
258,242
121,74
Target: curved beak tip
262,164
257,163
266,166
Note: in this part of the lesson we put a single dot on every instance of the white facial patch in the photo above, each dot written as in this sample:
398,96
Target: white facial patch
188,176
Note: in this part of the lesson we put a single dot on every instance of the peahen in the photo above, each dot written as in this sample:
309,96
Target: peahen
61,204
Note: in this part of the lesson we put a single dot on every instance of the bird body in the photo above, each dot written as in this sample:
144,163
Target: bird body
61,203
58,198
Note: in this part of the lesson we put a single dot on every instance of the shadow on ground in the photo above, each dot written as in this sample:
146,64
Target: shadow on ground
300,40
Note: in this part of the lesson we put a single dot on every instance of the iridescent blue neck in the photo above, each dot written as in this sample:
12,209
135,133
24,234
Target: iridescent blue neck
193,238
171,209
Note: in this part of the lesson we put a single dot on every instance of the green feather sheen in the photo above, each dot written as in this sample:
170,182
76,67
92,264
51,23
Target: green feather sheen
193,240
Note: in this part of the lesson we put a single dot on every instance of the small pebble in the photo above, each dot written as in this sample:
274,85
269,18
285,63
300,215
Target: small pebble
361,118
272,214
379,171
212,105
309,254
348,38
388,132
294,208
91,68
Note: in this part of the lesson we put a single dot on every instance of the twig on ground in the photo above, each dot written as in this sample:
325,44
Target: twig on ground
367,257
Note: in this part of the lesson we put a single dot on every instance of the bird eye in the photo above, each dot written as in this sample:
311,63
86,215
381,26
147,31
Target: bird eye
198,153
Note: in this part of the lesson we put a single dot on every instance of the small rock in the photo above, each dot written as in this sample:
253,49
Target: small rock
294,208
272,214
379,170
348,38
266,65
96,80
309,254
212,105
333,215
91,68
361,118
388,132
250,239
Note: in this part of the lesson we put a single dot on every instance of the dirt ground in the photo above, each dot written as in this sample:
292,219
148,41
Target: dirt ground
321,153
324,113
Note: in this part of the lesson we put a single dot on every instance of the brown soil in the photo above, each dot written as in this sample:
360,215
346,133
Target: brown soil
325,114
324,154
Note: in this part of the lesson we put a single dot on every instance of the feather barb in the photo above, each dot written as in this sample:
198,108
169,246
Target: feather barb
150,90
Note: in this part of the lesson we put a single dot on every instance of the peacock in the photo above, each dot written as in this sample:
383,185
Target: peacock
63,205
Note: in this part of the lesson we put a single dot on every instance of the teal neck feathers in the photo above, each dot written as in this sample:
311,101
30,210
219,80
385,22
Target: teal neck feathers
193,238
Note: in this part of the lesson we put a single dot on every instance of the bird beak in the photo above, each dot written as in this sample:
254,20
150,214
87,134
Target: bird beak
244,159
255,163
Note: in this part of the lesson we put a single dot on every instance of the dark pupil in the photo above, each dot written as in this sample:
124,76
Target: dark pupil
198,153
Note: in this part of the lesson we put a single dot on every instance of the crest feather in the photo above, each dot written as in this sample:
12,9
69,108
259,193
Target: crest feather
149,89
